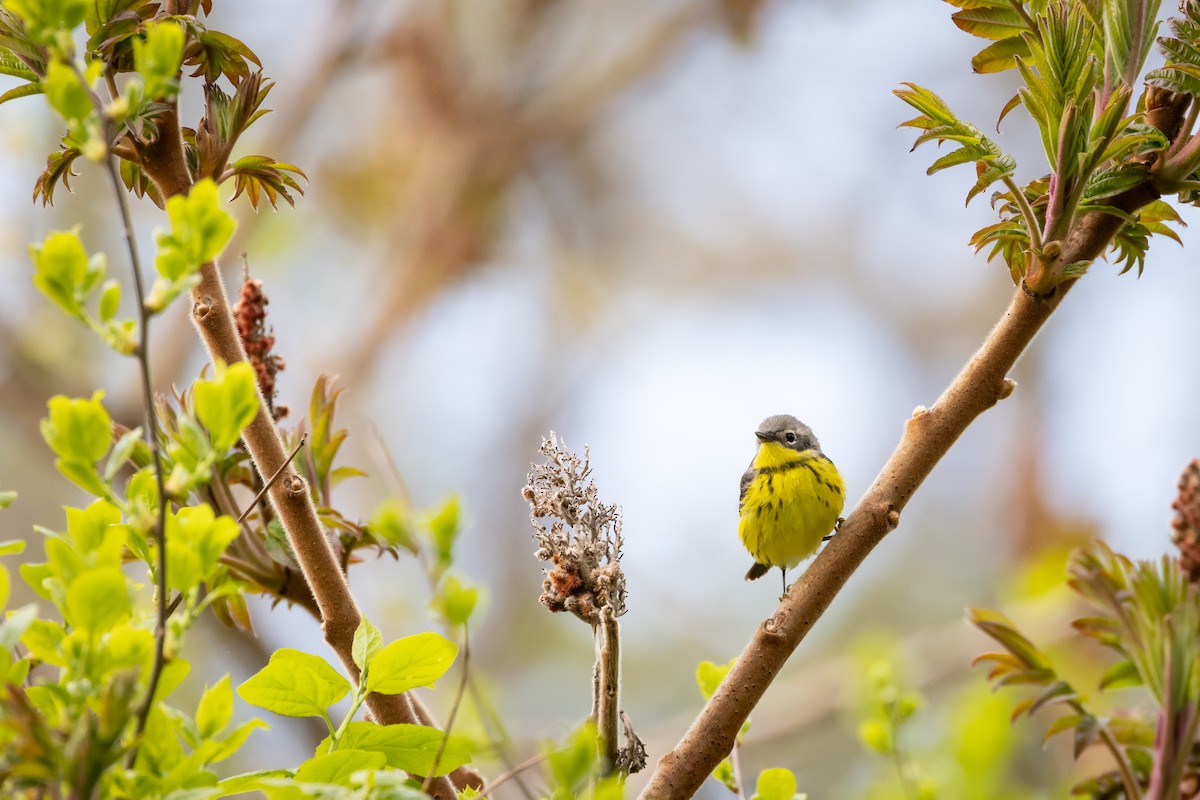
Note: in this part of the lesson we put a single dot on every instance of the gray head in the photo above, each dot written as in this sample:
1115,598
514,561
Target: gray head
787,431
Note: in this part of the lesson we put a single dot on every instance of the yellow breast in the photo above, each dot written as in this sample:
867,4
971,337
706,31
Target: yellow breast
793,500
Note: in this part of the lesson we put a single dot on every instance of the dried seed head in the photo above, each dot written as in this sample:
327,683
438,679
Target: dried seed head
250,313
576,533
1186,525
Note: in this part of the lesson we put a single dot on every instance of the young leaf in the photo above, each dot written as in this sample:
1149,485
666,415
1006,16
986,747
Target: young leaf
295,684
413,661
455,601
407,747
78,430
156,57
200,229
710,675
227,403
337,767
97,600
367,642
775,784
215,709
61,269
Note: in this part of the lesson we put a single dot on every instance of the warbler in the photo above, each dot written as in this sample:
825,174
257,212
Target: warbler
792,496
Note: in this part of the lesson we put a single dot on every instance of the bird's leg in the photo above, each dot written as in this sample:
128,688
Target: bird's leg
836,527
783,571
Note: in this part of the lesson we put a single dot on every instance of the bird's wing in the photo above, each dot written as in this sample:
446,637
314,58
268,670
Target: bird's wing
747,477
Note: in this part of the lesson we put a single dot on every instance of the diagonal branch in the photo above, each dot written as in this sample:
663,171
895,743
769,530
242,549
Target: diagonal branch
927,436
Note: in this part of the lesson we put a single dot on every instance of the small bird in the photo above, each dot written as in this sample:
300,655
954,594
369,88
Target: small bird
792,496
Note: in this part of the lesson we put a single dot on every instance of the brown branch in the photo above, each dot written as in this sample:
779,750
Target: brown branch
211,314
927,437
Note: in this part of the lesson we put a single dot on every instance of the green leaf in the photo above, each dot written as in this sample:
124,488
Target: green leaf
876,735
78,430
939,123
709,676
60,269
1064,723
200,229
455,601
215,709
1121,675
89,529
227,403
295,684
990,23
391,522
444,529
17,622
45,19
97,600
996,625
408,663
571,765
407,747
338,766
110,301
1000,56
66,94
775,784
725,774
196,539
9,547
367,642
157,56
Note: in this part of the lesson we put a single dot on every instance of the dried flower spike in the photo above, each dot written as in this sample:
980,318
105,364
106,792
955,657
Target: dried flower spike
1186,525
577,534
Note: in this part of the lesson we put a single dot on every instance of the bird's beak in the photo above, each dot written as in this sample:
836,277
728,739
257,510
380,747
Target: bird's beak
766,437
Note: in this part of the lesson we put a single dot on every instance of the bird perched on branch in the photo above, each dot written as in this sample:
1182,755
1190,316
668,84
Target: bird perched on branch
791,498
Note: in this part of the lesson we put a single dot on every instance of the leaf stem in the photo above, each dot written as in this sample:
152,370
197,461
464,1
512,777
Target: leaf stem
1029,21
1035,234
1133,790
458,698
160,525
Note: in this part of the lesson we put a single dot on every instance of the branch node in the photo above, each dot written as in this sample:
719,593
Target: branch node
919,411
201,307
893,519
294,484
1006,388
773,626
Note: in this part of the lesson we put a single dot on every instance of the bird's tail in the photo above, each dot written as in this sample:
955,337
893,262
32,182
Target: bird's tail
757,571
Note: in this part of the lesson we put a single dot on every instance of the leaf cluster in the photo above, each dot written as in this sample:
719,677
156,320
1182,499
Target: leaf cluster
1148,615
1078,61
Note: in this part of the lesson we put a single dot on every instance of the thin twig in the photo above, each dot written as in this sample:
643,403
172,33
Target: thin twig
735,761
458,698
160,532
269,483
517,770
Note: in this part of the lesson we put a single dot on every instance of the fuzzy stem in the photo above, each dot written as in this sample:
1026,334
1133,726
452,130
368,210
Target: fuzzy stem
926,439
290,496
608,685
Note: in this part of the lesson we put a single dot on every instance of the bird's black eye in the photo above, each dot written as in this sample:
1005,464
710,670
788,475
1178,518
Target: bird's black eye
791,437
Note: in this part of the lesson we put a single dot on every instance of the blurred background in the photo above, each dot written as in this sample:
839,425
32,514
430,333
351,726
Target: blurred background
645,226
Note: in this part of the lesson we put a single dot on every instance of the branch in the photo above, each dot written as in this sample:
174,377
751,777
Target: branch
211,314
927,437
